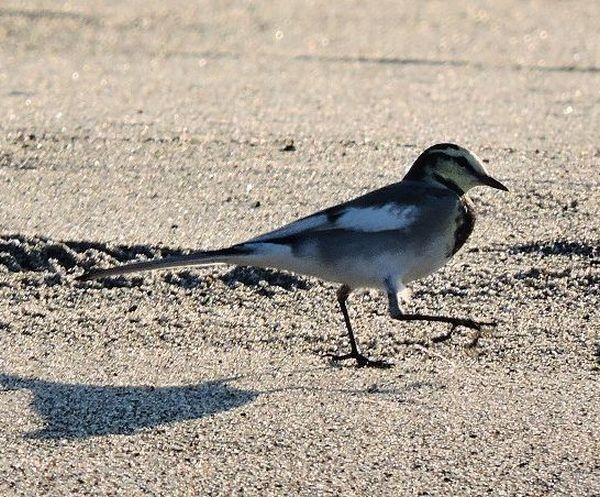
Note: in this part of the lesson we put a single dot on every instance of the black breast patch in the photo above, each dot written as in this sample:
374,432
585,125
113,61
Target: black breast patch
465,222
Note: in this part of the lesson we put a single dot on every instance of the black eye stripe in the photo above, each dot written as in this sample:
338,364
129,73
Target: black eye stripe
461,161
432,155
464,162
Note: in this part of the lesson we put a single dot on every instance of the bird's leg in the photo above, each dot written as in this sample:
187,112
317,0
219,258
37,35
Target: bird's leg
396,313
361,361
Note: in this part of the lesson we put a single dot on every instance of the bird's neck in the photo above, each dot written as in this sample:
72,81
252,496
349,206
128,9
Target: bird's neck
448,183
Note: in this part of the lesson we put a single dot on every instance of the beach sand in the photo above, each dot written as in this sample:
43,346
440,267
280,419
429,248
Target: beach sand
139,129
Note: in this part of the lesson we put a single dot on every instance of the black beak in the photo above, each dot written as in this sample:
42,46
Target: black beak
494,183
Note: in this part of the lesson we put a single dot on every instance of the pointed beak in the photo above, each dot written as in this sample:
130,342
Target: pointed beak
494,183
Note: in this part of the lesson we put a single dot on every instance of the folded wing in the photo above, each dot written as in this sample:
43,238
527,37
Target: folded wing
394,207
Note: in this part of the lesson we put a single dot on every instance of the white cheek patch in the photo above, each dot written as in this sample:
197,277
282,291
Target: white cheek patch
308,224
371,219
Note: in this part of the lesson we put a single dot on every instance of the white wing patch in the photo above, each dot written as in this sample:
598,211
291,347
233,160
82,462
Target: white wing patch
365,219
371,219
307,224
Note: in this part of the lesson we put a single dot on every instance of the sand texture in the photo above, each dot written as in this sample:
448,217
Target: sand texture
139,129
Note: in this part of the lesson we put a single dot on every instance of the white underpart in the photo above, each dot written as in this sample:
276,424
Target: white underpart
405,294
371,219
375,270
308,224
268,255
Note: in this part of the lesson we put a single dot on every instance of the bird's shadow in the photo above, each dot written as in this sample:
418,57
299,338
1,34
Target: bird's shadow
74,411
77,411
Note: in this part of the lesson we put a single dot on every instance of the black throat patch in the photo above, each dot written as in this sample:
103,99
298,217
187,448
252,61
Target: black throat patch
465,222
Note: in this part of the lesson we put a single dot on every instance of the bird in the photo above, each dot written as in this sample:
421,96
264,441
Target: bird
384,239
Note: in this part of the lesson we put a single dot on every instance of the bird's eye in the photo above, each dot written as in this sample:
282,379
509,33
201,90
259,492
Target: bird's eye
462,162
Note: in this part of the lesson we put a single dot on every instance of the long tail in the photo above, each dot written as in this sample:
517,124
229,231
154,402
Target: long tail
232,255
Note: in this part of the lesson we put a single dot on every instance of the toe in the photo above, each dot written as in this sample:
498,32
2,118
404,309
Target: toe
363,362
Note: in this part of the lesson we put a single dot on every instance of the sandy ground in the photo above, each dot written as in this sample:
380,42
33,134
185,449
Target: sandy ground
145,128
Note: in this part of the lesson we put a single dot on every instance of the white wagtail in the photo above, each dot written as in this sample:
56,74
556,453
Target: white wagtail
384,239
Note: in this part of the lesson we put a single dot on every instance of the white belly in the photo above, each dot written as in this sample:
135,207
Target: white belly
358,270
372,271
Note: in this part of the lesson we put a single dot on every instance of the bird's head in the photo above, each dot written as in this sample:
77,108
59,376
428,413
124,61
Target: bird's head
451,166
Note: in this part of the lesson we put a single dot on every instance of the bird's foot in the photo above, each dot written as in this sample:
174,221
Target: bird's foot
467,323
470,323
361,360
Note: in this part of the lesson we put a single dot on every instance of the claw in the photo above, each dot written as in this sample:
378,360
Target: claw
361,360
474,325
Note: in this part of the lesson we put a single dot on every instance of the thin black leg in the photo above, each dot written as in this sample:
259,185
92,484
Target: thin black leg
397,314
361,361
342,296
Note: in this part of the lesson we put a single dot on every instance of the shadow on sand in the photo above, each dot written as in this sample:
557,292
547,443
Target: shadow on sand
76,411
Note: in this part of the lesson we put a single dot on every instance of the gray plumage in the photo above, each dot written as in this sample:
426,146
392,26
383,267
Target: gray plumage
384,239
